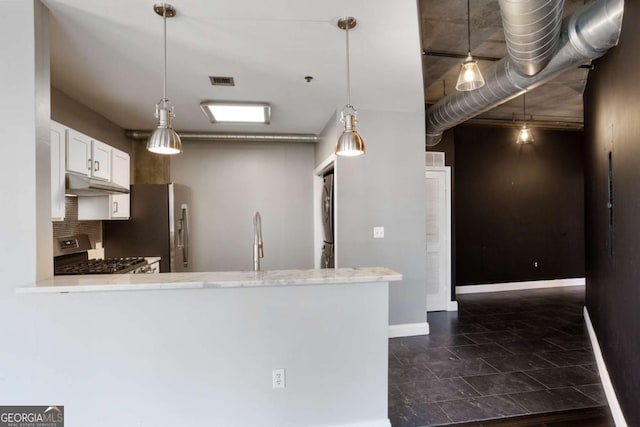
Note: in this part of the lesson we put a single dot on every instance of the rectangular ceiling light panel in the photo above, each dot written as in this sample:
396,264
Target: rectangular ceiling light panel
237,112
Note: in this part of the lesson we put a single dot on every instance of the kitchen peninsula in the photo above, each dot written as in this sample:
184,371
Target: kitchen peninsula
204,346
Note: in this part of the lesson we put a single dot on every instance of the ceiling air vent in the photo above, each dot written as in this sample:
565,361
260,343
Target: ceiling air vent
221,81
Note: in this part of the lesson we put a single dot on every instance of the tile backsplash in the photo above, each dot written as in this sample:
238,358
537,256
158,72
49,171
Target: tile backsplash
71,226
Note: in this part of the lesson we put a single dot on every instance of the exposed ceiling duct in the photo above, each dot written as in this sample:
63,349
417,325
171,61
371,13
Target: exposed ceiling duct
531,31
584,36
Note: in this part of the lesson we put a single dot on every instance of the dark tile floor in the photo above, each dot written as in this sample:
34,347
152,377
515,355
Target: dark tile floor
501,355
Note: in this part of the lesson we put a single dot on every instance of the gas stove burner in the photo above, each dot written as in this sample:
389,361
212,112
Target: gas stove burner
102,266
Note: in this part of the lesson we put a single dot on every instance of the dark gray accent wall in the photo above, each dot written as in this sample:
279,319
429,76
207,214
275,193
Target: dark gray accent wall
612,124
517,205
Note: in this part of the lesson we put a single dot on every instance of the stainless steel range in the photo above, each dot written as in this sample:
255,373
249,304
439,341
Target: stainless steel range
71,257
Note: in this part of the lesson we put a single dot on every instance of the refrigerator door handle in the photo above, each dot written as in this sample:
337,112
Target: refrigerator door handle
183,234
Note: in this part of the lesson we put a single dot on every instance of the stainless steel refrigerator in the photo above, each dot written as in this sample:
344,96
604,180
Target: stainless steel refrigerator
158,226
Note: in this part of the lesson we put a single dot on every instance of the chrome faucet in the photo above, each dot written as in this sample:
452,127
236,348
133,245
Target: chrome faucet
258,251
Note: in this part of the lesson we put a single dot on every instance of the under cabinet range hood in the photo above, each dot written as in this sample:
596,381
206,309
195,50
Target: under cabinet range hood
77,185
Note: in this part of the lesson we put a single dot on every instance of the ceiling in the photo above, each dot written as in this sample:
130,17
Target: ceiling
108,56
444,29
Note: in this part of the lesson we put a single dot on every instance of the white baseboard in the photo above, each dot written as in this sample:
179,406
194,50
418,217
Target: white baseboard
612,399
408,330
374,423
453,306
518,286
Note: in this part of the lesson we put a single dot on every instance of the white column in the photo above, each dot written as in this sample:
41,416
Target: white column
25,226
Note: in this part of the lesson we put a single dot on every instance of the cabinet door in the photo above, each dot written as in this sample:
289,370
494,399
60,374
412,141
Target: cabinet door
101,160
120,169
58,136
119,206
78,153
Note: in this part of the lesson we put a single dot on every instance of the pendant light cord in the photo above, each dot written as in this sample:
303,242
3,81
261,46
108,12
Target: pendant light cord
524,106
164,81
469,26
348,70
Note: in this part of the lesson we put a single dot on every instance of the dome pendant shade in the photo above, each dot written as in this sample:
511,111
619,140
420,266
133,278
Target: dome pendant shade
350,143
470,77
164,140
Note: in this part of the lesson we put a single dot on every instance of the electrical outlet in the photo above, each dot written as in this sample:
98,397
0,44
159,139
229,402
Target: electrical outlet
378,232
278,378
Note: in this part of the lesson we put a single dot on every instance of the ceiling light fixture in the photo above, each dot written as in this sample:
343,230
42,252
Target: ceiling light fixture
164,140
470,77
237,112
350,143
524,136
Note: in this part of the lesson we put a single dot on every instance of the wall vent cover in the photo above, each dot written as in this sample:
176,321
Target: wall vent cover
434,159
221,81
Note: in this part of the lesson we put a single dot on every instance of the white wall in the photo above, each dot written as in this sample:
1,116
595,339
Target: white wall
201,357
232,180
386,188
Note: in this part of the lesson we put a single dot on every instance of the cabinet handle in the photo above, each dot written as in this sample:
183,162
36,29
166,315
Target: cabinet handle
115,207
97,166
89,162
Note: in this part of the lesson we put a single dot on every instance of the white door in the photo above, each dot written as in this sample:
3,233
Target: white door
438,238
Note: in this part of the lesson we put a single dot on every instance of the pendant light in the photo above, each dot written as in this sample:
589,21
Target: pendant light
350,143
164,140
524,136
470,77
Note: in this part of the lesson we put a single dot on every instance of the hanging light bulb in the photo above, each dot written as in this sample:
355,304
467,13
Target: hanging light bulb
470,77
164,140
350,143
524,136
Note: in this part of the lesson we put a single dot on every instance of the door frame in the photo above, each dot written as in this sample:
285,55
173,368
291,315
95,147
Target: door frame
318,232
451,304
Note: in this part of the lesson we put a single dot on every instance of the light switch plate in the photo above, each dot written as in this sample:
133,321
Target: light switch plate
378,232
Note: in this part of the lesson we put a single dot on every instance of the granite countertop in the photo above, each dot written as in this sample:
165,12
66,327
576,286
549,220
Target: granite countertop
209,280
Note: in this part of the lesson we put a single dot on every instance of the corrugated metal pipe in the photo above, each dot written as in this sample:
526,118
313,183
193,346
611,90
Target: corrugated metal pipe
584,36
237,137
531,31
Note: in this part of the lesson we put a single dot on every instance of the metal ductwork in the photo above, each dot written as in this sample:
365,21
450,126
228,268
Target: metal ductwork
531,31
584,36
237,137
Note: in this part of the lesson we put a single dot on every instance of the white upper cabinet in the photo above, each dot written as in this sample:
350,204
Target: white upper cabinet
58,137
89,157
86,156
101,160
121,175
78,153
120,169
